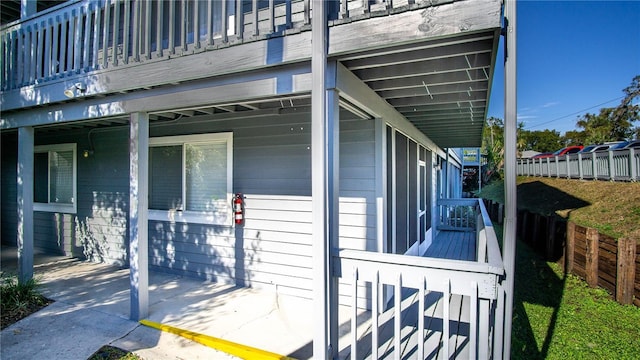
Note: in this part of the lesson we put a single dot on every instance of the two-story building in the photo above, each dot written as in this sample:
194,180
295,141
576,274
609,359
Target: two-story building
294,145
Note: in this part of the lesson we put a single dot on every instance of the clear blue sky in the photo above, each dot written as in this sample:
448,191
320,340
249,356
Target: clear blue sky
574,57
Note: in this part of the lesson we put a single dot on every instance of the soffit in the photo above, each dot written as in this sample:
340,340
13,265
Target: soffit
441,86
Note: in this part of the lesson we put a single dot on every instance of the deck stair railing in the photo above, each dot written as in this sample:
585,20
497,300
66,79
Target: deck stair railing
615,165
447,306
83,36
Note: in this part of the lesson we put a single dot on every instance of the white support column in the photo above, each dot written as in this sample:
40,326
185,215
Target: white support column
25,203
138,215
27,8
381,184
324,176
510,109
333,202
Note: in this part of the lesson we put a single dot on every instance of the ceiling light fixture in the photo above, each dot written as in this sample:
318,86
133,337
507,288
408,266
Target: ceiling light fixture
76,89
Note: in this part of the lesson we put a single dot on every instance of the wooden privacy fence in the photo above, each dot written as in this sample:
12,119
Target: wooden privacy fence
612,264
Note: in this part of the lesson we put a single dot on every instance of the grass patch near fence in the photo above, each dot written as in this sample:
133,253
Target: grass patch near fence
558,317
613,208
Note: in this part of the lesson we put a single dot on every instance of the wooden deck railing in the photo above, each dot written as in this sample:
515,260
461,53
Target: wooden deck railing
474,286
616,165
82,36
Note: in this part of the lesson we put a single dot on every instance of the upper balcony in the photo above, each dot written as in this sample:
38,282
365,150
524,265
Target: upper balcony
431,60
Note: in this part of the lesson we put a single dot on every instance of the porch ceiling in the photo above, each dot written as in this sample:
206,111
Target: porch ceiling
441,86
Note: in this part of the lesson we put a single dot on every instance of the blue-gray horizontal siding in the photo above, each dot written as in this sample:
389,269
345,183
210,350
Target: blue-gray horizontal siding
271,166
98,230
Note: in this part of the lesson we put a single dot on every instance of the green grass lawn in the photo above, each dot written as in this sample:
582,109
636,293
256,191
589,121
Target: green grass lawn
611,207
561,317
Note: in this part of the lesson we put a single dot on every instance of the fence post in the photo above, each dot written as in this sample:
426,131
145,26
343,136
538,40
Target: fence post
570,248
593,164
625,276
580,172
633,170
535,241
591,262
525,227
611,173
551,237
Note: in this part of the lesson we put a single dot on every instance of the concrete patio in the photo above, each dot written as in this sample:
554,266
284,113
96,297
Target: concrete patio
92,310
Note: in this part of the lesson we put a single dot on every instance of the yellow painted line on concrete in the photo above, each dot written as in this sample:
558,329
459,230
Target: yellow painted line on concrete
235,349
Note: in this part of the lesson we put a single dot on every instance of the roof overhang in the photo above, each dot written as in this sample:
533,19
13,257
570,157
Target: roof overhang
441,86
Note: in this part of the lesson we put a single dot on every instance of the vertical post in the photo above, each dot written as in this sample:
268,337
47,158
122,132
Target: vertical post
239,19
510,91
626,260
381,185
105,36
324,176
633,169
138,215
97,27
159,27
479,169
25,203
116,32
147,30
591,261
571,245
580,171
611,167
27,8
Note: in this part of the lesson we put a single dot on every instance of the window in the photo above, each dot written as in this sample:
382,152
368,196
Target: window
190,178
54,173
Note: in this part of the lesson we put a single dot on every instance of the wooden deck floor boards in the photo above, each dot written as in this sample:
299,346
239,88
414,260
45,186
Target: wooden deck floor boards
456,245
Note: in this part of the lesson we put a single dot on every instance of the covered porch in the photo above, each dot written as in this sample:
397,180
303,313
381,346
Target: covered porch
417,91
281,323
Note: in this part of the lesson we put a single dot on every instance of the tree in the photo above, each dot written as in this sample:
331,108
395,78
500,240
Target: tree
614,123
493,147
542,140
629,109
574,137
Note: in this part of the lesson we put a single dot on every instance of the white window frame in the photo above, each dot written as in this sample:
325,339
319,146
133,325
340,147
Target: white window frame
57,207
188,216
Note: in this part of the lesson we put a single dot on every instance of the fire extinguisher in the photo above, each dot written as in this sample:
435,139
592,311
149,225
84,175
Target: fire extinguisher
238,208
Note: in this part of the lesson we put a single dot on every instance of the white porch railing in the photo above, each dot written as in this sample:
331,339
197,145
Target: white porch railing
617,165
79,36
457,214
469,319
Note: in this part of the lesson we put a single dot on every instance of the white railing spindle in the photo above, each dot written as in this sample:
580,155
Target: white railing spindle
97,28
473,325
159,28
148,6
183,26
397,318
354,314
421,309
446,315
375,313
105,35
